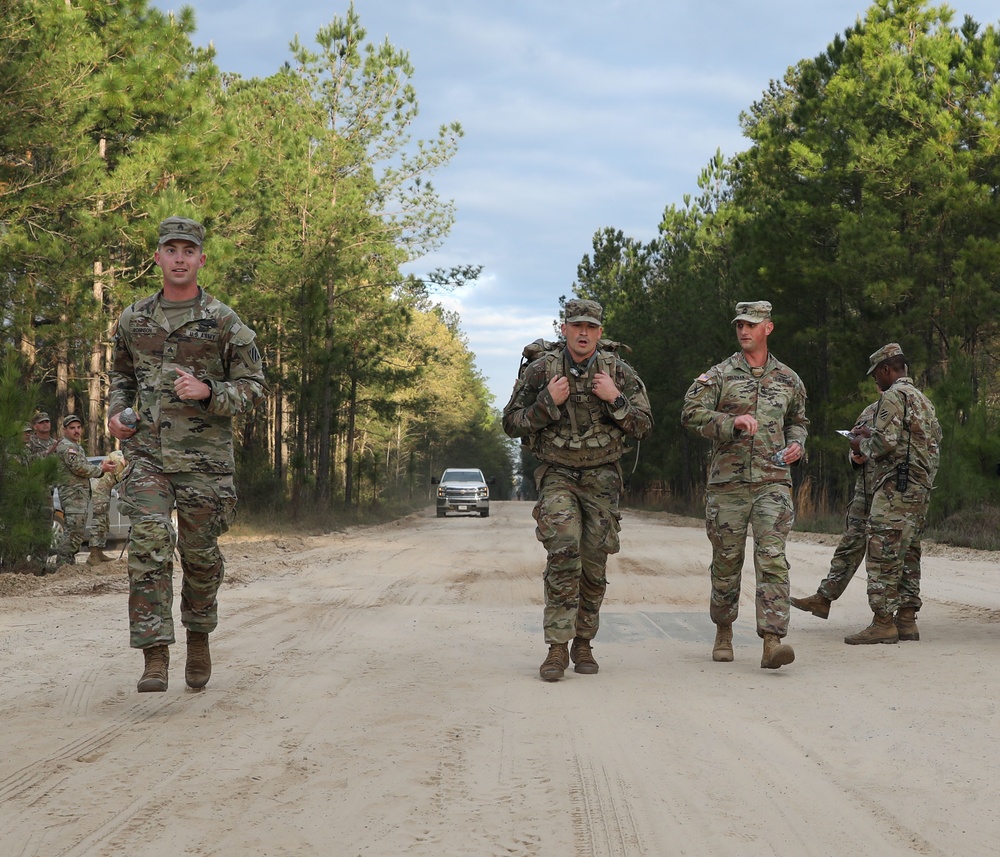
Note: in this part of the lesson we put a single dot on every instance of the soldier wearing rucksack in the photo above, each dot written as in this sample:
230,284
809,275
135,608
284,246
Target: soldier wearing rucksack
574,405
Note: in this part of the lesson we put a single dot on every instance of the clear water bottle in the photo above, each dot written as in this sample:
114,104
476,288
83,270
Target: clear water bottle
128,418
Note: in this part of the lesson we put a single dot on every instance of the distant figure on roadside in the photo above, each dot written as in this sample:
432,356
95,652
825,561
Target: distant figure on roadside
73,482
25,454
850,550
100,506
576,406
904,446
41,442
753,408
187,365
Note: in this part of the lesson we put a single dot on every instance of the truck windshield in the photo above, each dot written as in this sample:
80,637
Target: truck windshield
462,476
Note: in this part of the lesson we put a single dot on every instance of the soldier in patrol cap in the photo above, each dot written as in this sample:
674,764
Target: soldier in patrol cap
753,408
187,365
41,442
903,445
576,406
73,482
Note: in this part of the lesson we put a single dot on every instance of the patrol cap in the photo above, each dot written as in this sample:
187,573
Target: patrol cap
27,427
886,352
71,418
752,311
582,311
40,417
182,229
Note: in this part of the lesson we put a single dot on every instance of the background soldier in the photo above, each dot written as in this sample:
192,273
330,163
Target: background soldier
850,550
73,482
904,446
41,441
576,406
188,365
100,508
754,409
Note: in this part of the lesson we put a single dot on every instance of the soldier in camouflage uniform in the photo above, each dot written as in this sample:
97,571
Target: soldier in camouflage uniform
100,506
904,446
574,407
41,442
754,410
187,364
850,550
73,482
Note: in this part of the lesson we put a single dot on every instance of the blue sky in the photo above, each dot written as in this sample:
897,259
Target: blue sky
578,114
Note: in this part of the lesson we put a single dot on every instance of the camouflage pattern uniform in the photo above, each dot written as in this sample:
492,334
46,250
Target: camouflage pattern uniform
181,454
850,550
580,480
905,428
745,487
39,447
100,501
73,482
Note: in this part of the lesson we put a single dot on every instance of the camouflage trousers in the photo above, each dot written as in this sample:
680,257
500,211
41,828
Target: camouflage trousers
850,552
206,505
730,510
74,500
100,509
578,522
895,527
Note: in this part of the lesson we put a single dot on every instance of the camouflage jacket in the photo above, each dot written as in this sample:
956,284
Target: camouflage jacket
211,343
74,469
776,399
865,481
38,448
584,431
905,426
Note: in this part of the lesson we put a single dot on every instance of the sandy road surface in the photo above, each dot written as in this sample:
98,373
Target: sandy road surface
376,693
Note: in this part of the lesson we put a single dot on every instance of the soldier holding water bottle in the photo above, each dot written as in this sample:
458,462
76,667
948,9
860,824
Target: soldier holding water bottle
187,365
753,408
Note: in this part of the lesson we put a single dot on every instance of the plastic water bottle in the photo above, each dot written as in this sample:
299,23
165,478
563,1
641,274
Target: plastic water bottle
128,418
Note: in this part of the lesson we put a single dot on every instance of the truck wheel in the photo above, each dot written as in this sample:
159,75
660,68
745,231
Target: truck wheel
440,513
485,513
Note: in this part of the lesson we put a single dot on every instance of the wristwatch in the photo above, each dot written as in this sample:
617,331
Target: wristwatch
619,403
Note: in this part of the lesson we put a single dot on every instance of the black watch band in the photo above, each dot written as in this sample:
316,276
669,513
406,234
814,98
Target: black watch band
619,403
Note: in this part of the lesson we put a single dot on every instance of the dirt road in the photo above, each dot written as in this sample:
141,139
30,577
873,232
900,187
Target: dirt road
376,693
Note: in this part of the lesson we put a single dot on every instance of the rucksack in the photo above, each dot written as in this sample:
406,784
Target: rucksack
541,347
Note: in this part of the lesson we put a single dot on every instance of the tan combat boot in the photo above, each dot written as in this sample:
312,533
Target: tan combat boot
583,657
776,654
906,623
881,630
554,666
198,669
818,605
154,676
723,648
97,556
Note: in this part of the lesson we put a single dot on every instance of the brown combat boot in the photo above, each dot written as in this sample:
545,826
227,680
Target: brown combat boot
906,624
723,648
554,666
198,669
97,556
583,657
776,654
881,630
818,605
154,676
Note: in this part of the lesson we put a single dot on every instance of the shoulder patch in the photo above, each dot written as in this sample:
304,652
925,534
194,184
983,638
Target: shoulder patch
704,378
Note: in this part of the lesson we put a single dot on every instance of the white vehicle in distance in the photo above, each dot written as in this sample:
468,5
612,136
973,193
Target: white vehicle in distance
463,489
